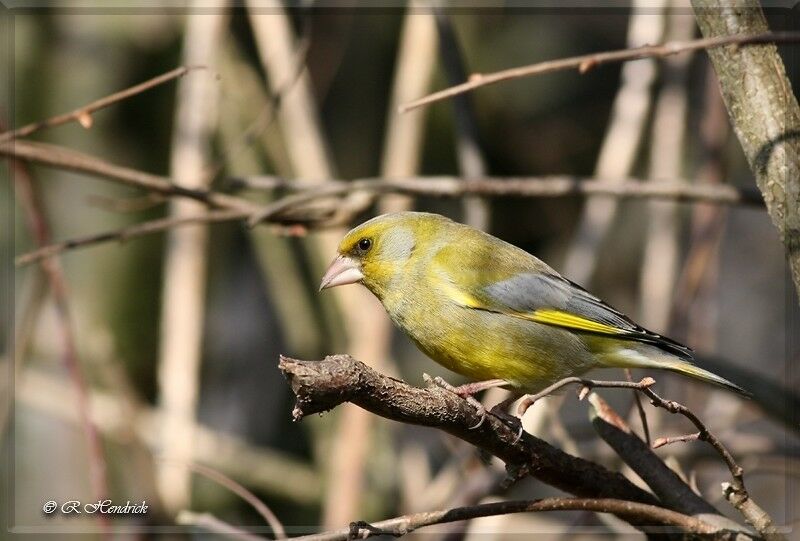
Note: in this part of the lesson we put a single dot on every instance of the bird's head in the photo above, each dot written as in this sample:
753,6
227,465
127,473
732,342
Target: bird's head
377,251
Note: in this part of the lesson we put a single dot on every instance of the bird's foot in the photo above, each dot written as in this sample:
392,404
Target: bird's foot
463,392
511,421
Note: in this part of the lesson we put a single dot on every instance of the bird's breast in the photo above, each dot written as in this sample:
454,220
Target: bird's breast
485,345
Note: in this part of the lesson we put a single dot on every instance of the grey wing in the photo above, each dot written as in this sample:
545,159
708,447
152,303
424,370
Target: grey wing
528,292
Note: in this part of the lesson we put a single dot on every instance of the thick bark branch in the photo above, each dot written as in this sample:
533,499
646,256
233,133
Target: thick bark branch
763,110
323,385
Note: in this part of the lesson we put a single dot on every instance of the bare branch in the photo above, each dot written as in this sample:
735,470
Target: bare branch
586,385
71,160
666,484
260,507
295,209
127,233
37,223
639,408
586,62
83,115
623,137
209,522
546,186
661,442
323,385
637,513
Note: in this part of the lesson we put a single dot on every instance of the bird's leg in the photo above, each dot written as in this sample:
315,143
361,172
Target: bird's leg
469,389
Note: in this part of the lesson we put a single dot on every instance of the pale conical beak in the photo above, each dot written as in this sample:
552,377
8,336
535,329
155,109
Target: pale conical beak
342,271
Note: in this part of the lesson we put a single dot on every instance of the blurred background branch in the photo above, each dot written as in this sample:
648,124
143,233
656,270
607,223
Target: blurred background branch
184,286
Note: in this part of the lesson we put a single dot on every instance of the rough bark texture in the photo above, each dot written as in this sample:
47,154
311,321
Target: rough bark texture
763,110
323,385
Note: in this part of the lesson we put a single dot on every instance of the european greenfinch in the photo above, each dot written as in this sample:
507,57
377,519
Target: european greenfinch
492,312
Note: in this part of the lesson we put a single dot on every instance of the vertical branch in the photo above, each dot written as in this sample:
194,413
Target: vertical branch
470,157
404,132
621,143
763,110
280,269
402,148
29,200
667,141
183,298
310,160
694,316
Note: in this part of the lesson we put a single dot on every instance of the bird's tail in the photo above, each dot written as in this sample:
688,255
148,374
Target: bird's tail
631,358
689,369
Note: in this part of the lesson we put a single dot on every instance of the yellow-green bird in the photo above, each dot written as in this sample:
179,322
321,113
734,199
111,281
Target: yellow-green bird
490,311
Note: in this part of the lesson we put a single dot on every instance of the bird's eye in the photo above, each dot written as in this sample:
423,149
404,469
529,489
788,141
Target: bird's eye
364,244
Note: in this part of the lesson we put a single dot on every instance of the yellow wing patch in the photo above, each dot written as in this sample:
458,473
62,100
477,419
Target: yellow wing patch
459,296
571,321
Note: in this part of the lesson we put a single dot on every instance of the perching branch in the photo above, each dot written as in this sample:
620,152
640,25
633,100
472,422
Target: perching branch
586,62
323,385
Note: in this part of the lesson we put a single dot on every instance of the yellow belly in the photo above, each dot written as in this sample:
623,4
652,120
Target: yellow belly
484,345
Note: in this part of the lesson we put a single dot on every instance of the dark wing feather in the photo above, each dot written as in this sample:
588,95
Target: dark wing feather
548,295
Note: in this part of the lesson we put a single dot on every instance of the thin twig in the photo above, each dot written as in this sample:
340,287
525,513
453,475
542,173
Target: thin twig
129,232
661,442
71,160
587,62
544,186
658,517
83,115
623,136
254,501
735,492
37,223
586,385
639,408
209,522
471,161
283,210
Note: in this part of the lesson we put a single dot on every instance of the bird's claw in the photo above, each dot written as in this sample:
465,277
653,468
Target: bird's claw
480,410
511,421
